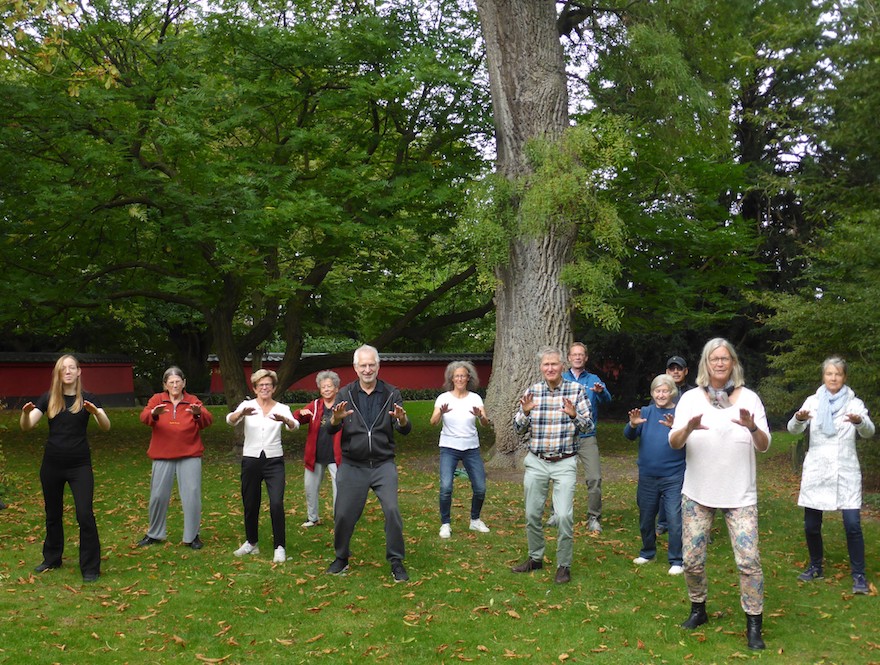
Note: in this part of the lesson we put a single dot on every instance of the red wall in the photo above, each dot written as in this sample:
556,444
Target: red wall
404,374
22,380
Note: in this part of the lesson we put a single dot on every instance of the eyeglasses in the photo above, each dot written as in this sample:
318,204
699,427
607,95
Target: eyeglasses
719,361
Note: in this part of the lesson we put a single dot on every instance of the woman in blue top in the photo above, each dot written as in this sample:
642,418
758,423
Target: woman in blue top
661,471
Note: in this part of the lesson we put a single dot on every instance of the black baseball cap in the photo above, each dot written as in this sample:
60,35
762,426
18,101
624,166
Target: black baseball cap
676,360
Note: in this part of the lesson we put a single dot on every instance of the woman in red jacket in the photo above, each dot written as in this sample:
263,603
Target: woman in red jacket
322,449
177,420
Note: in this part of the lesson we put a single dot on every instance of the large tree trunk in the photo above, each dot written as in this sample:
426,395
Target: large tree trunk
530,100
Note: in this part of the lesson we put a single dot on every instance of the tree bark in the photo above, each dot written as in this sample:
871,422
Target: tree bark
530,100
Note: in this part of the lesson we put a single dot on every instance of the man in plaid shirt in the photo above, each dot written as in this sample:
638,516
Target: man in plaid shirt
554,413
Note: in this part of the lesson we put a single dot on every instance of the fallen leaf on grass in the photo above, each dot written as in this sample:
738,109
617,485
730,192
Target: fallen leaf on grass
315,638
480,647
512,613
178,640
205,659
285,643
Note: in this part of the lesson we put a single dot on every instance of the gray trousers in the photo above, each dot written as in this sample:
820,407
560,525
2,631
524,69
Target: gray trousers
536,484
588,454
312,483
189,485
353,485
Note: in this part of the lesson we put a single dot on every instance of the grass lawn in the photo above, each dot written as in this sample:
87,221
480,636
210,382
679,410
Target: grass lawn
170,604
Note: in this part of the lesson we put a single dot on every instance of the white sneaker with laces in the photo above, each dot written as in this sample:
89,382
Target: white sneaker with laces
675,570
479,525
280,555
641,561
309,524
246,549
445,531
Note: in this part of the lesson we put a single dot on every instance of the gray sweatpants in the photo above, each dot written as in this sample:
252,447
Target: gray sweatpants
189,485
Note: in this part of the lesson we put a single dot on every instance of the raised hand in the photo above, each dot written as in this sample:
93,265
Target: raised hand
527,402
803,415
635,418
340,413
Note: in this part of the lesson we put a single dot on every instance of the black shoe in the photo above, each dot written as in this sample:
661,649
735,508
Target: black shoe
338,567
697,617
813,572
88,578
754,623
43,567
563,575
196,544
527,566
398,572
146,540
3,506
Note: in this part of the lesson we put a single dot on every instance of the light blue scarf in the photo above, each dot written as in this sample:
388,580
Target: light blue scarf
830,406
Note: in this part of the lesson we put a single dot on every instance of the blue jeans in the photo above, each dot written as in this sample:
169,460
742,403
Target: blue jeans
473,464
653,492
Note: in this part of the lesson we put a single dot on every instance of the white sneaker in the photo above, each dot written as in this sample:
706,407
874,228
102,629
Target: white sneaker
641,561
247,548
593,525
675,570
445,531
280,555
479,525
309,523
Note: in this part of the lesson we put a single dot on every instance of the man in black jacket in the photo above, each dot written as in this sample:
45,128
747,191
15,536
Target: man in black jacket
368,411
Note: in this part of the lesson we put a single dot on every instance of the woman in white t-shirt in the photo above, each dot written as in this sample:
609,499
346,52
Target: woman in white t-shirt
723,424
459,409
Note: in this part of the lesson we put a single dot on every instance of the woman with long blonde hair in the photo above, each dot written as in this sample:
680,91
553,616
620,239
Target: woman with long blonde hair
68,460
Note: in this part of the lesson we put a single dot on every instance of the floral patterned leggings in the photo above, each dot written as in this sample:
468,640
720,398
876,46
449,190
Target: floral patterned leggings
742,525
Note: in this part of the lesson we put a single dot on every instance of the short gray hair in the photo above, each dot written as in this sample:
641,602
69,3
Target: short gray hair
365,348
174,370
837,361
549,351
326,374
666,380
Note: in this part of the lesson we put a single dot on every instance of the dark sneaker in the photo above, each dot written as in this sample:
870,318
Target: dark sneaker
196,544
146,541
860,584
338,567
398,572
43,567
563,575
527,566
88,578
813,572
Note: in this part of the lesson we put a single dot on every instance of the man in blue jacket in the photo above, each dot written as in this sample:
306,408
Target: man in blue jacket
369,411
588,452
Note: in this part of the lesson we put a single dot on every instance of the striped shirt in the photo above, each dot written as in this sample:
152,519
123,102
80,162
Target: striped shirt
551,431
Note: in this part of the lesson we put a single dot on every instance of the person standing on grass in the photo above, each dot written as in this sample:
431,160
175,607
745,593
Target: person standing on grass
263,461
661,471
323,451
176,419
723,424
459,409
369,412
588,447
67,460
832,479
677,370
553,413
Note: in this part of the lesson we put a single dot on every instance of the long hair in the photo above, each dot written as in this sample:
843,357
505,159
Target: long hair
736,375
56,390
473,379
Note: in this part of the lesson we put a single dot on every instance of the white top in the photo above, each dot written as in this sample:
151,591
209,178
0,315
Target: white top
721,463
262,434
832,479
459,424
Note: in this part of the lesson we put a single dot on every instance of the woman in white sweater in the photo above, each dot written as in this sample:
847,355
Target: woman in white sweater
723,424
832,479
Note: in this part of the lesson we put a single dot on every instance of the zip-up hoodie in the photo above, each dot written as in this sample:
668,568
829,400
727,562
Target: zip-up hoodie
369,443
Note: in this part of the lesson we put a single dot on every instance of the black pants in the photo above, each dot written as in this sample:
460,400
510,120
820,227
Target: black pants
353,484
82,485
255,470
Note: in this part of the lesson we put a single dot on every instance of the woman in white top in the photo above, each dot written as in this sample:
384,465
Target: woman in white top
832,479
263,460
723,423
459,409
